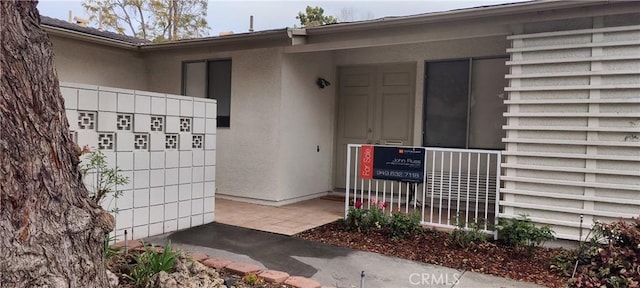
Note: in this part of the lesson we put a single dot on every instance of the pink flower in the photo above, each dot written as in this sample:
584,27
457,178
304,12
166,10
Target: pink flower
358,204
382,205
373,200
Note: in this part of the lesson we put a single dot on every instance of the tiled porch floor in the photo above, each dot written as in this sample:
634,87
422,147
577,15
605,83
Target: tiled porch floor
287,220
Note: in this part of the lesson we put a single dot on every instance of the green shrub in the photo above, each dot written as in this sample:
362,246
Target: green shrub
152,262
251,279
403,225
375,218
361,220
522,233
466,236
355,220
611,258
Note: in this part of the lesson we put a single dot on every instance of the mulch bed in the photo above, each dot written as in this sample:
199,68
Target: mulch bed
434,247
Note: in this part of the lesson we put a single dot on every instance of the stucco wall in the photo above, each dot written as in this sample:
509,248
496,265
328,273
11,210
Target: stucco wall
419,53
248,151
306,125
94,64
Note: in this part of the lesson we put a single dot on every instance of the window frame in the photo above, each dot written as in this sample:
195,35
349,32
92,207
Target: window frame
469,92
226,120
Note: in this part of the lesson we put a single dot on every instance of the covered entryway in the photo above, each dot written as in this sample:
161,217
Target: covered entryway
375,106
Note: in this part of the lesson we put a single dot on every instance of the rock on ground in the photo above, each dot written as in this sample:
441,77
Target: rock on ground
189,274
113,279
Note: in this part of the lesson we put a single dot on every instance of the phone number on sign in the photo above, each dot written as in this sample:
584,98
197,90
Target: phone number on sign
397,174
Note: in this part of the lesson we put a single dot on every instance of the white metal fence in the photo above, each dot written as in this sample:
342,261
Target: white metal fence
460,186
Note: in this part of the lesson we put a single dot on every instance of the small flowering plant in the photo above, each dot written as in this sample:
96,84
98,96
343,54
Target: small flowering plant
360,219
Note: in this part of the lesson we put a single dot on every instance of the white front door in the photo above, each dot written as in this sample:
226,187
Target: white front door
375,106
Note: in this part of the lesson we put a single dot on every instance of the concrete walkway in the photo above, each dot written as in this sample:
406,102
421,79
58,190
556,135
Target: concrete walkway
329,265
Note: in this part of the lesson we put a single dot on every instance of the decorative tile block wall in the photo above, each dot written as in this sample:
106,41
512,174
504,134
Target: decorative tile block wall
164,144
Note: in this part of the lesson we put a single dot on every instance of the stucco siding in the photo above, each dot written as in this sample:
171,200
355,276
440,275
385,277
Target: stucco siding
94,64
572,144
306,125
248,151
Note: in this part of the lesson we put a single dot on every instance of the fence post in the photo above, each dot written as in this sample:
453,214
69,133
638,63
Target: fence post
497,212
346,198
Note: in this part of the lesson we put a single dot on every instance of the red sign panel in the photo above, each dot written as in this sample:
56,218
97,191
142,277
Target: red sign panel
366,162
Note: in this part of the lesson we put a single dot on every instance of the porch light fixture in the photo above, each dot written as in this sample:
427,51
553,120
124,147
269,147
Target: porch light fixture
321,82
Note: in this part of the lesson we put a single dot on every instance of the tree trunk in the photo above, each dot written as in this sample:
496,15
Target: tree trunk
51,234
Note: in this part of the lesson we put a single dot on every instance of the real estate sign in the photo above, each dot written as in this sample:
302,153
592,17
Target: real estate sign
392,163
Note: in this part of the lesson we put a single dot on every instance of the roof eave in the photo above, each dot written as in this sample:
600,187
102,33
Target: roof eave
281,34
454,15
89,37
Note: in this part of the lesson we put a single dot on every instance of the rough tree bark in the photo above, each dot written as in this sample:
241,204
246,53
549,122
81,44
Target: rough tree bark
51,234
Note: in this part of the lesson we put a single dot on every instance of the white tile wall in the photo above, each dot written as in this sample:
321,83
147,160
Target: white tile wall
199,109
156,178
107,121
141,198
209,188
158,106
125,160
173,107
143,104
156,195
140,216
141,179
156,214
171,176
126,102
141,160
142,123
170,211
107,101
70,96
166,187
197,190
184,223
87,100
198,125
184,192
196,220
170,193
141,232
72,118
157,160
185,175
186,108
172,225
172,159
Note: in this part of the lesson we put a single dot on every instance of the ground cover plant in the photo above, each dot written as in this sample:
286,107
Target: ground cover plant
610,259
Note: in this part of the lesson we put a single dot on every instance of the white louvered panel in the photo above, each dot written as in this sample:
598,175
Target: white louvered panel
579,102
